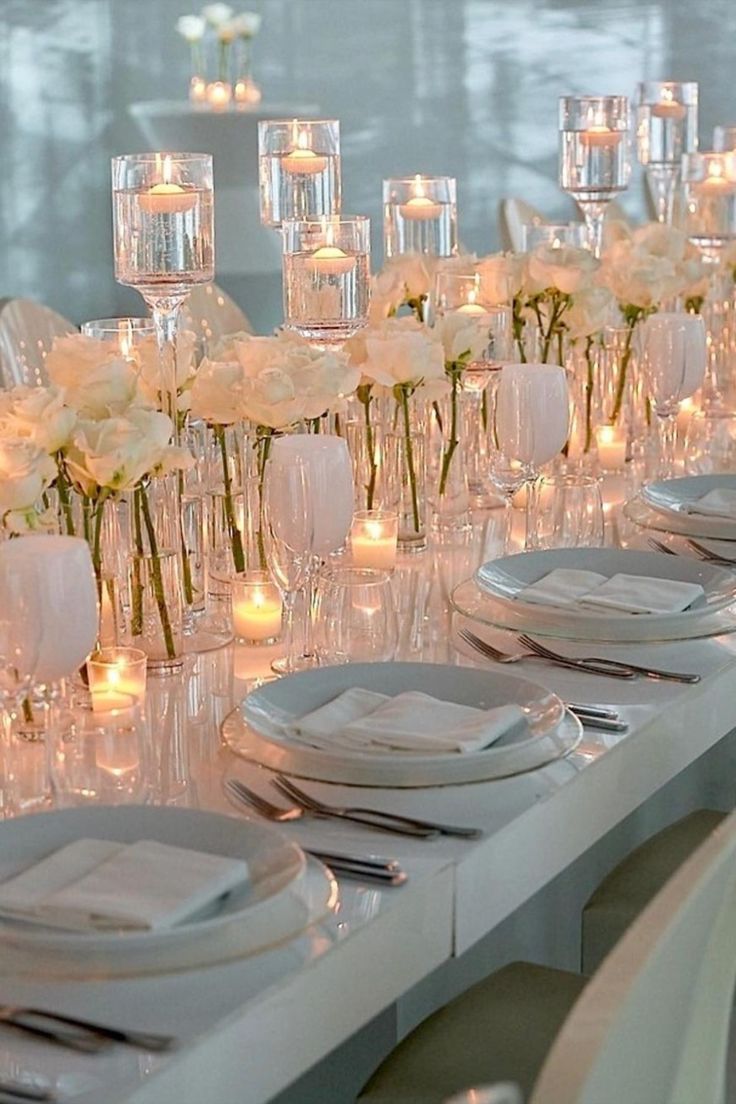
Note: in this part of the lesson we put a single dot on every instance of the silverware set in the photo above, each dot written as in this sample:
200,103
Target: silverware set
700,550
85,1036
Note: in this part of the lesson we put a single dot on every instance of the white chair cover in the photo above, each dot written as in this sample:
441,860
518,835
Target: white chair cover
653,1022
211,314
27,331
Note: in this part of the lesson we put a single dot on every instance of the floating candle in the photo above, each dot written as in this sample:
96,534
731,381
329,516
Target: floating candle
600,137
219,95
420,206
167,198
329,260
669,109
302,159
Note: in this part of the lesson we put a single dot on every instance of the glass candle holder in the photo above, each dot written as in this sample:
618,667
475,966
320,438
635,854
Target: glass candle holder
724,137
123,334
420,215
256,603
299,169
218,95
710,198
327,277
553,234
594,155
666,127
612,444
117,671
373,538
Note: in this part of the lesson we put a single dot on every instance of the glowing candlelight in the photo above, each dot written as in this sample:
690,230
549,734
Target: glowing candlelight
256,605
611,441
600,137
115,672
198,90
373,538
165,197
302,158
219,94
420,207
717,181
668,107
471,306
329,259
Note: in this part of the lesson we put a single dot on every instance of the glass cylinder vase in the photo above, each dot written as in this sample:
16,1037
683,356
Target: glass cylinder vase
298,169
420,215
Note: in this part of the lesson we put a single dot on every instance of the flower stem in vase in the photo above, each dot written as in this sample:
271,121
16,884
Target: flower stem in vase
365,397
166,320
186,567
403,395
632,315
518,324
99,512
235,535
158,582
588,395
449,451
137,595
62,488
264,439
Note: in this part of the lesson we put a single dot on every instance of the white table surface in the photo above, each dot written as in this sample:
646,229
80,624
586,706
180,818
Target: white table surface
250,1028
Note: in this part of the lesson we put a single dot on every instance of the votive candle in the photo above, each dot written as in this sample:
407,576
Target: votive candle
116,671
611,441
256,605
373,538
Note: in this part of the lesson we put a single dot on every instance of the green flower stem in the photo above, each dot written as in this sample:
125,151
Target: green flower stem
223,52
235,534
632,315
62,487
588,396
404,402
27,710
186,567
136,626
484,409
264,445
157,576
85,518
97,544
365,397
455,375
518,324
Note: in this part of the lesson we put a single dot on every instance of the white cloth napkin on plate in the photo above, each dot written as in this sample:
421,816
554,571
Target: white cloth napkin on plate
641,594
561,587
718,503
409,722
103,885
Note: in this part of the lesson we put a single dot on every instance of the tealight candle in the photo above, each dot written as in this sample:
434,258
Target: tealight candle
219,94
471,307
198,90
420,207
302,158
668,108
611,441
328,260
601,137
716,182
373,538
166,197
256,605
116,671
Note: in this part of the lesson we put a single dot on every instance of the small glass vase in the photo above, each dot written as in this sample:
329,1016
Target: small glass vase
406,486
451,495
155,583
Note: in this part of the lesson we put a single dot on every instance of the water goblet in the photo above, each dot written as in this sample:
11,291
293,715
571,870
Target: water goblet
675,353
666,128
594,158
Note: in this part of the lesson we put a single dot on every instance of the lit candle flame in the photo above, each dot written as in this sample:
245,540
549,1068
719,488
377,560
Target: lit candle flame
417,190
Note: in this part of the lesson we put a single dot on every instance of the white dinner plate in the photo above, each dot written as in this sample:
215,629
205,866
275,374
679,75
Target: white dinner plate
504,579
255,729
282,897
671,497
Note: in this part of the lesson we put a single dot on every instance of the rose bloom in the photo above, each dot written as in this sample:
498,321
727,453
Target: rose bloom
500,277
25,472
191,27
463,337
117,453
39,414
96,382
591,310
217,392
146,358
566,269
401,351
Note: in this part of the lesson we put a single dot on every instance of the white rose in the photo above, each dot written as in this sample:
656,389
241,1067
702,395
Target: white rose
25,473
566,269
592,309
215,14
217,392
500,277
191,28
463,337
660,240
117,453
388,292
145,355
396,353
38,413
637,278
247,24
413,271
96,383
226,32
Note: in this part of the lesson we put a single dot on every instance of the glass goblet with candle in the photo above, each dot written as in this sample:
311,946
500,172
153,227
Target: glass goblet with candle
123,335
666,127
420,215
594,156
674,361
326,278
298,169
710,200
530,426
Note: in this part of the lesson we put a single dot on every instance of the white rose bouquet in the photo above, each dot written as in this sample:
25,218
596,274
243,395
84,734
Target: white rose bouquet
553,277
26,473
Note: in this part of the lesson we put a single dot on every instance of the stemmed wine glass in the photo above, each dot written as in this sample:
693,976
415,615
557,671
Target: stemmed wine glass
666,127
164,241
530,426
674,361
594,156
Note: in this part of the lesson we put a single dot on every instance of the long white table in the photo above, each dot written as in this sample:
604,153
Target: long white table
251,1028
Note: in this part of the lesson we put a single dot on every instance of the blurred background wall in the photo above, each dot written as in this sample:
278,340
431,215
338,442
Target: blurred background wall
464,87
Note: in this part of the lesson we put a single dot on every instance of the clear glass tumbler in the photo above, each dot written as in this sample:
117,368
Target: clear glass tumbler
355,616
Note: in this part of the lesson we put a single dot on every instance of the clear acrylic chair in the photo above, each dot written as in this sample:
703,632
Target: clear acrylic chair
27,331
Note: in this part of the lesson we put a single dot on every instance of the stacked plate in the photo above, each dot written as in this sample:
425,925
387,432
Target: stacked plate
668,506
285,893
261,728
495,596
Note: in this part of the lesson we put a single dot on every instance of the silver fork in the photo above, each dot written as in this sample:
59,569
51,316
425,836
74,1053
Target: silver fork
660,546
272,812
560,661
614,664
708,554
85,1035
289,788
26,1091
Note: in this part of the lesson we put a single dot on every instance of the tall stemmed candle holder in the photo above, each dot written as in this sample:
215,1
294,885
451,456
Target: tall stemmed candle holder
164,240
594,156
666,127
299,169
420,216
326,278
710,199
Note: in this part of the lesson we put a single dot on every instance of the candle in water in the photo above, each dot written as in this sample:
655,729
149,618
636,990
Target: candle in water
611,441
716,182
668,107
166,197
329,259
256,605
420,207
302,159
471,307
600,137
373,538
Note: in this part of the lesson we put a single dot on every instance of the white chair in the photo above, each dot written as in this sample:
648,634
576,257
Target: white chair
27,331
651,1027
515,214
211,314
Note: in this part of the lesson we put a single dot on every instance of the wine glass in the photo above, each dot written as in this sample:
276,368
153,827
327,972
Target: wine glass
666,127
675,353
530,425
288,525
594,156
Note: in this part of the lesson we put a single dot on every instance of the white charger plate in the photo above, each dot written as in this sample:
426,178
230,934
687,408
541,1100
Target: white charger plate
503,579
255,729
283,897
670,497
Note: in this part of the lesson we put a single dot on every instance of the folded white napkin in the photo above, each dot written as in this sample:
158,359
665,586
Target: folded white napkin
103,885
363,720
640,594
720,502
562,587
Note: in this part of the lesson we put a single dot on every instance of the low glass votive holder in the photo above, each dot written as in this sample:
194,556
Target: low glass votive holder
218,95
420,215
298,169
374,537
121,333
116,671
555,235
256,606
611,442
